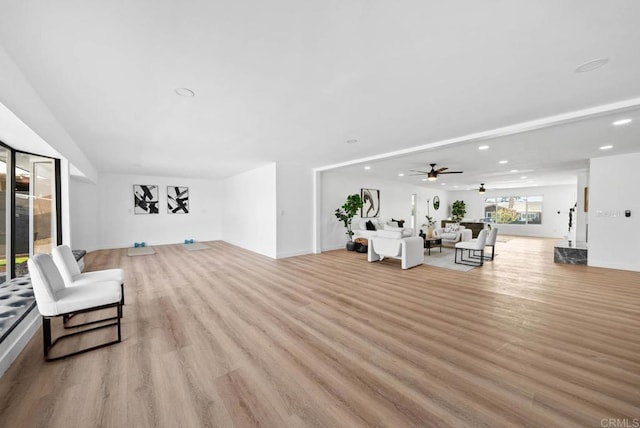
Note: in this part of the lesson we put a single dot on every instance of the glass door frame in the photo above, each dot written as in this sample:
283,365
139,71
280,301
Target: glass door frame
11,195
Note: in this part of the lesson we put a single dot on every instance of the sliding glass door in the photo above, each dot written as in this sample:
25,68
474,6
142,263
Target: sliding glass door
43,208
35,208
5,210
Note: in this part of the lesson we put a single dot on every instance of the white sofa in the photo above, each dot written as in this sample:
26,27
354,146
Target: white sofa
452,234
359,228
388,243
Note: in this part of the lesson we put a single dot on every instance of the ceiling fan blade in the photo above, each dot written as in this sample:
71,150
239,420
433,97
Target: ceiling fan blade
421,172
414,175
439,170
451,172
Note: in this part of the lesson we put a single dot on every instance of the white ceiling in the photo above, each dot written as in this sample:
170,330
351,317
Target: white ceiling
552,155
289,80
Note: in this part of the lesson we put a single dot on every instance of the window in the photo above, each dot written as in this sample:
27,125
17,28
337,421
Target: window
514,209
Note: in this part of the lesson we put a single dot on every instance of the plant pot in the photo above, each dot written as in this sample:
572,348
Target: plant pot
430,232
351,246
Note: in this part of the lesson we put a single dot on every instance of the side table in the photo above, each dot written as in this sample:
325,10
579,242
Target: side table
430,243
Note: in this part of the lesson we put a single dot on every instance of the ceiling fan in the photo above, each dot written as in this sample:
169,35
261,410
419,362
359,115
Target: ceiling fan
433,174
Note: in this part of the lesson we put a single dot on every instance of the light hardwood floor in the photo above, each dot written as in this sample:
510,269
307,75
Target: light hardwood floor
223,337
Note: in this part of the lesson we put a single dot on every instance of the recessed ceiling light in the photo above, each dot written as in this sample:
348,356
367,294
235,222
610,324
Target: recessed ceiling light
455,186
622,122
184,92
443,184
514,170
367,167
503,162
606,147
424,179
401,174
523,177
483,147
591,65
352,141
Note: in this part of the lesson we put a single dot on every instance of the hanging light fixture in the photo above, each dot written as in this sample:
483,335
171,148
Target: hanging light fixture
482,189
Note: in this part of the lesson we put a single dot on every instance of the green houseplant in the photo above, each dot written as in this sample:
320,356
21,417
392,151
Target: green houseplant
458,210
346,213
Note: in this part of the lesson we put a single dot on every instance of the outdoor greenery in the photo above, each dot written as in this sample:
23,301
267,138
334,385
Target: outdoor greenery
514,209
348,210
506,216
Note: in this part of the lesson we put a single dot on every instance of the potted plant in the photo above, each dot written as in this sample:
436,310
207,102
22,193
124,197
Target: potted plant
346,213
458,210
429,225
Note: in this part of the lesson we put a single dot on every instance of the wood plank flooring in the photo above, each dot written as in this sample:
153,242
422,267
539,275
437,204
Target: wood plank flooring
224,337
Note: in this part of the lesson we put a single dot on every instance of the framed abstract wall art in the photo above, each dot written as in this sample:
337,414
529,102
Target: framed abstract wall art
145,199
371,200
177,200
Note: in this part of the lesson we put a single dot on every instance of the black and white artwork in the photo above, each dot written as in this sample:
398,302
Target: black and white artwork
145,199
371,200
177,200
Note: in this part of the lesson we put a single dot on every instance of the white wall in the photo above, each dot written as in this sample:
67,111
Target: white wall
23,102
17,340
294,198
555,198
83,209
119,227
249,210
395,202
614,239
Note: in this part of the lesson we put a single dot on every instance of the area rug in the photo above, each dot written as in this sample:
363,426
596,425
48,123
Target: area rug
195,246
140,251
444,260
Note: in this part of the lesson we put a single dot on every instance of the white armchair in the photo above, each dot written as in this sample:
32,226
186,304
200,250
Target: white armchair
387,243
492,234
471,246
452,234
56,300
70,270
491,242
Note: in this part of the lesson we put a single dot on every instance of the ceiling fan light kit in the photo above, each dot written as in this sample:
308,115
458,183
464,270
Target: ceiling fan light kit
433,174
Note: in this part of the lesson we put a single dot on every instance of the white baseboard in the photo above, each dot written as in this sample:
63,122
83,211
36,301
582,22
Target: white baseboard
293,254
13,344
612,265
334,247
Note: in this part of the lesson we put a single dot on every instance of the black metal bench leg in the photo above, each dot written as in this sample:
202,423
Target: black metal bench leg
46,331
46,335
